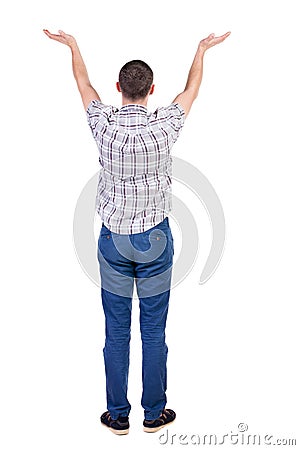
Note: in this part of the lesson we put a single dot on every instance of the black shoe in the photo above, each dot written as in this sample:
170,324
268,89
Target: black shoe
118,426
166,417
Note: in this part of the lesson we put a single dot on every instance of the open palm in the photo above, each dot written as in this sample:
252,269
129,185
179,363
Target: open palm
213,40
62,37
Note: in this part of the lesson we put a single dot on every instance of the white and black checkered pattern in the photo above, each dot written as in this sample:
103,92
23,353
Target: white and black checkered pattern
134,188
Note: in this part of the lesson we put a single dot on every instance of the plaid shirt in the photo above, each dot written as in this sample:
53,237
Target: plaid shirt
134,189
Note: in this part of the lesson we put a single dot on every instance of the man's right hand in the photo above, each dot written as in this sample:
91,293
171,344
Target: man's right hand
187,97
212,40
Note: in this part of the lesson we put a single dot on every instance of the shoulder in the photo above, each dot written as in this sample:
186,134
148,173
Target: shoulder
172,110
172,115
100,115
96,107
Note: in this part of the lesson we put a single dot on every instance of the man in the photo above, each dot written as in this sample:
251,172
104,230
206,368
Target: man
135,243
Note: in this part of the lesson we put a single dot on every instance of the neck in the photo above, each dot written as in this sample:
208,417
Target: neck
141,101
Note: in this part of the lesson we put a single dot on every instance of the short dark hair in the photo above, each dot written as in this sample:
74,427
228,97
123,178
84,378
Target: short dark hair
135,79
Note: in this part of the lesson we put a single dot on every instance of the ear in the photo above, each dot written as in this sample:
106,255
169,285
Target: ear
152,89
118,87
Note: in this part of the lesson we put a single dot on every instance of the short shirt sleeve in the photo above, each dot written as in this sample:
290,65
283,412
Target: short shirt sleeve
98,115
174,117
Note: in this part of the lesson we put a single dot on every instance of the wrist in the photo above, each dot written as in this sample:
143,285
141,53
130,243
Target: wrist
201,49
73,45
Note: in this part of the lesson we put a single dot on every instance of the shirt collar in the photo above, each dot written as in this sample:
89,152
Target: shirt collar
134,107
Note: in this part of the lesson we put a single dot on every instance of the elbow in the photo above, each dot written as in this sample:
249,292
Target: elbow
195,92
192,92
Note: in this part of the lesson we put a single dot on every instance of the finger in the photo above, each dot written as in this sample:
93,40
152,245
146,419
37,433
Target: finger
224,36
64,35
48,32
50,35
55,37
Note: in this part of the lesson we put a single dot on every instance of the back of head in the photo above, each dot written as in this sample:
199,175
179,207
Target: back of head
135,79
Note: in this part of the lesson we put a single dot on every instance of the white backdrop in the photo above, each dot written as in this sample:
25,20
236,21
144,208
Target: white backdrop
233,342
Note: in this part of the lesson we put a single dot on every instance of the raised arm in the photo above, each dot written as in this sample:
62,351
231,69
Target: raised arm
85,88
190,93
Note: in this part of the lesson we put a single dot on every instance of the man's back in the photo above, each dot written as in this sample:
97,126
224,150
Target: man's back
134,189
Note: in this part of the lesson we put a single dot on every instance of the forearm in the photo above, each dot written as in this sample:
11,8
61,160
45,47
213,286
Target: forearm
196,73
190,93
85,88
187,97
79,69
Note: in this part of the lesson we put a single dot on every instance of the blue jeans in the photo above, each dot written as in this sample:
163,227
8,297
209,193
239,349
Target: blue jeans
146,259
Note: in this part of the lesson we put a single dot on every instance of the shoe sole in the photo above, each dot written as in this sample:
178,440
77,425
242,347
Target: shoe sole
153,430
117,432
